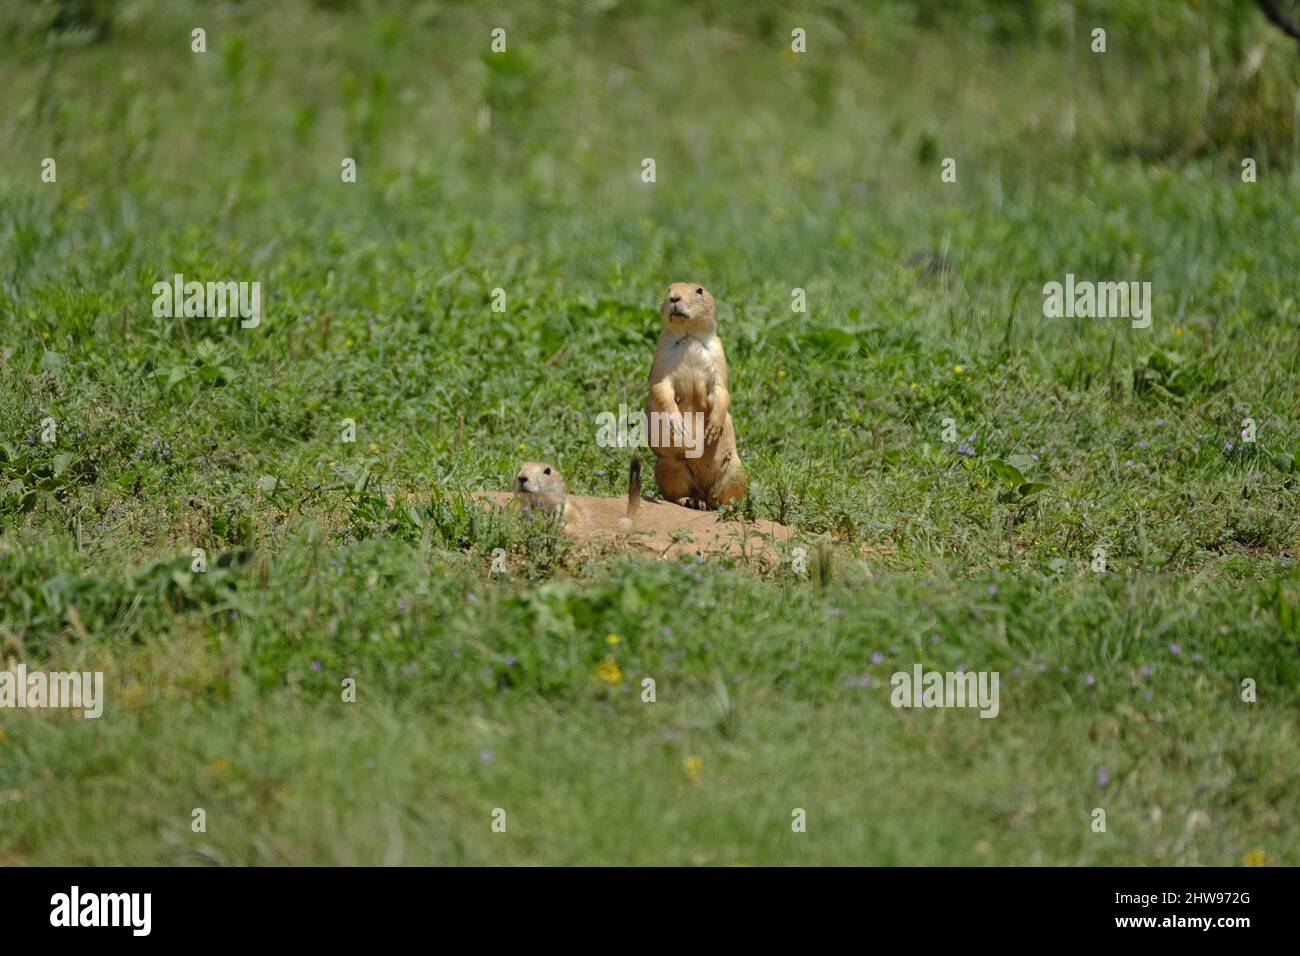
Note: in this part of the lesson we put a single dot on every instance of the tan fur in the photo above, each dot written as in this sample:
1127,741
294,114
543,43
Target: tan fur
689,376
539,488
633,487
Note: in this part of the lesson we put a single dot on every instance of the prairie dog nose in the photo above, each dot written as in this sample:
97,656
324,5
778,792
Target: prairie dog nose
674,298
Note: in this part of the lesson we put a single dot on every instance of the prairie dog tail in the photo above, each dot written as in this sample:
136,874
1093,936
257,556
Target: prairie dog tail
634,487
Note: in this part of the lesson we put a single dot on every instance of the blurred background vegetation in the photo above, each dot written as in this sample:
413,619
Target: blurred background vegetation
1171,62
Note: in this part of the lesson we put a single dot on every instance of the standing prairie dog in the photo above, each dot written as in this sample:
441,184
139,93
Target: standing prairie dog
688,384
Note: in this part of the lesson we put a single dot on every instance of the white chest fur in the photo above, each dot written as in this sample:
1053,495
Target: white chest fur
691,357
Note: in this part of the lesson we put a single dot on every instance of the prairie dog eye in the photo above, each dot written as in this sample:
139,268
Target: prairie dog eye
699,292
547,471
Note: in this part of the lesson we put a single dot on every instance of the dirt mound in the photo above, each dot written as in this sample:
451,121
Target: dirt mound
663,529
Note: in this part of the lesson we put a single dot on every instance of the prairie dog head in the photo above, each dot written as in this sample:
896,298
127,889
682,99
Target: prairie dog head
539,485
689,307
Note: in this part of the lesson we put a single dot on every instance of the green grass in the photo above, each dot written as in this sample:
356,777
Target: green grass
1120,690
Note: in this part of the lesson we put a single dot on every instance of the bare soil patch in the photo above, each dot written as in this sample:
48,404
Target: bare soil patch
663,529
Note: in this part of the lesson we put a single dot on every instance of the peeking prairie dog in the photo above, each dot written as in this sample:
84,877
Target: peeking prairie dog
688,414
539,488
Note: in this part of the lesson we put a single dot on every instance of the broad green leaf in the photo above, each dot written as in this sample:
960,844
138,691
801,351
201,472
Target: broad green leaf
1007,472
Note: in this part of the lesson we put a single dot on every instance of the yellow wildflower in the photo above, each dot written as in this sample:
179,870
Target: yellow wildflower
693,765
609,672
